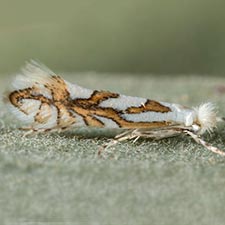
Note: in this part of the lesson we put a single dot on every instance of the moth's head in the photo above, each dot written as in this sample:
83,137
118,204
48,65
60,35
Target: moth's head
206,117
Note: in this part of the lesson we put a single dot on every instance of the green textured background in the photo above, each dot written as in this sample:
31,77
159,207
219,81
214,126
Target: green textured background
141,36
59,179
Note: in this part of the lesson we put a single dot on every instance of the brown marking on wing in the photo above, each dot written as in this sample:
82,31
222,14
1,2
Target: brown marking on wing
58,89
87,108
87,116
40,117
112,114
64,118
59,99
15,97
93,122
90,106
96,98
123,123
153,124
150,105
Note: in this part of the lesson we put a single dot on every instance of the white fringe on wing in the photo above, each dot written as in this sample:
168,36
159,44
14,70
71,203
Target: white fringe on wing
33,72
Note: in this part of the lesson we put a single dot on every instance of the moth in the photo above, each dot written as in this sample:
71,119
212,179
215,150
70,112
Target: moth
46,102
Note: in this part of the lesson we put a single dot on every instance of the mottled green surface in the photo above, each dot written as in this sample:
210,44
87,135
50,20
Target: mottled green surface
59,178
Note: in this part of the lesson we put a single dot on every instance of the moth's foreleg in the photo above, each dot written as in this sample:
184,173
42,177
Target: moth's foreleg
135,134
204,143
157,134
126,135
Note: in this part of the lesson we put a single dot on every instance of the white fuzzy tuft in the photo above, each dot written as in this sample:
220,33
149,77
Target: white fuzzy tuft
206,117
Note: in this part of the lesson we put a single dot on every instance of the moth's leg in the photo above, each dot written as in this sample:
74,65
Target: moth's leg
157,134
136,139
205,144
135,134
126,135
145,133
105,146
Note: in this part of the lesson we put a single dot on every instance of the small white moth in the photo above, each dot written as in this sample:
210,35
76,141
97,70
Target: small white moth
46,102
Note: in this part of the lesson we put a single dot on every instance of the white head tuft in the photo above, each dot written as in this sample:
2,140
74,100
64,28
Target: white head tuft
206,117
